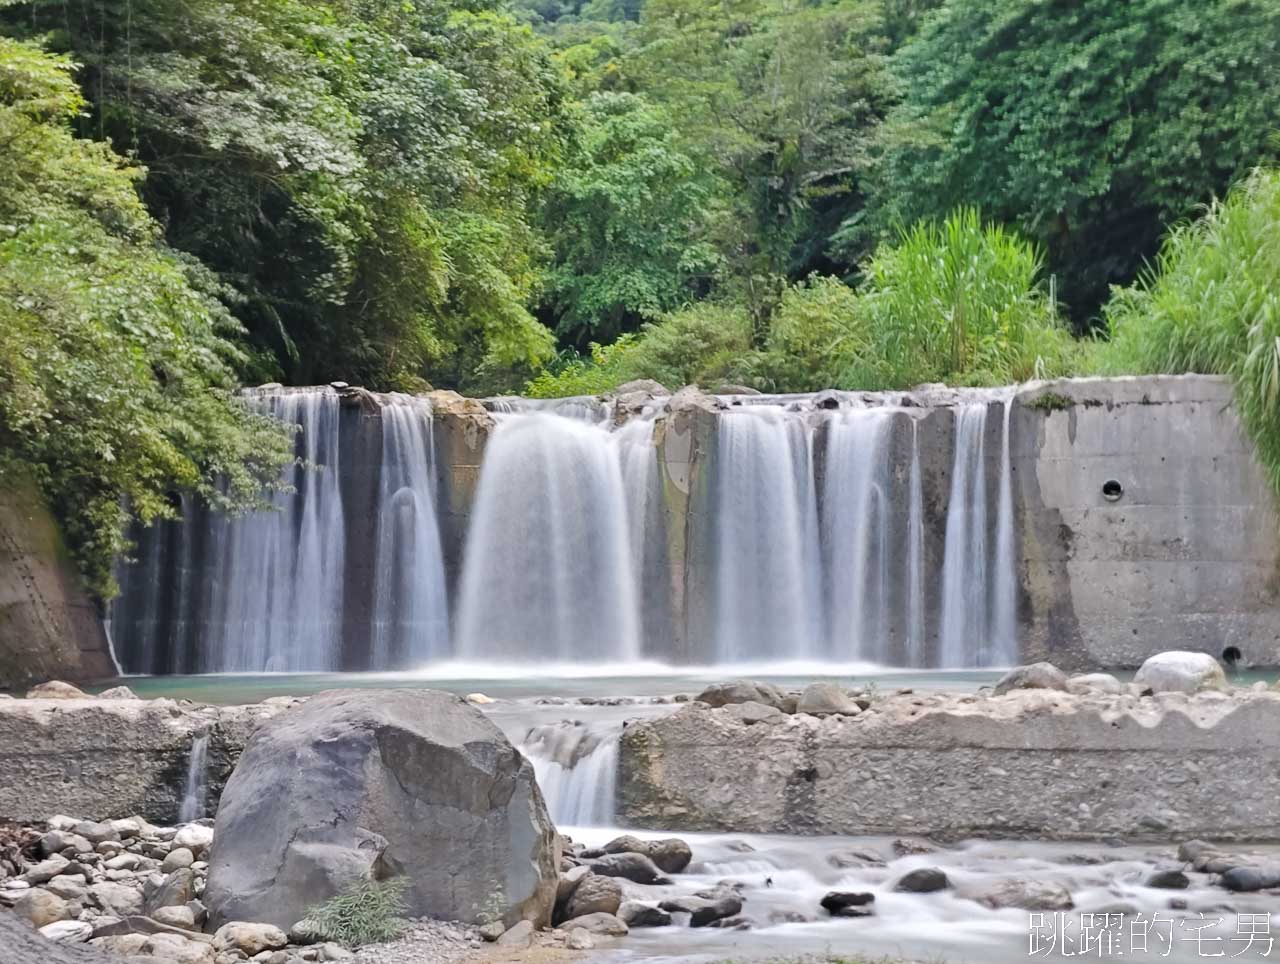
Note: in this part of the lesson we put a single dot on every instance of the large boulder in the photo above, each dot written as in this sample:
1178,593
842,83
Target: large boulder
379,783
20,943
1178,671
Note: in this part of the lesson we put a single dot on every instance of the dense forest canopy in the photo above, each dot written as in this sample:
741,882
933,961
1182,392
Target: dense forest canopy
556,197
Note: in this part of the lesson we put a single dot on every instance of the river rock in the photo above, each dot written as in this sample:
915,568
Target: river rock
594,894
703,911
175,917
646,385
635,914
597,923
392,781
179,950
194,837
826,699
175,890
634,867
1094,683
848,904
249,938
56,689
569,881
1168,878
923,880
118,693
67,886
1034,676
1022,893
752,712
20,943
579,940
41,907
67,932
1179,671
96,833
671,854
176,860
115,898
519,935
47,869
1246,878
60,841
746,691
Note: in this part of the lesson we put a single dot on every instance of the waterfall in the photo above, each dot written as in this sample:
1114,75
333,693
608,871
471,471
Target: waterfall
549,572
577,770
964,570
856,498
765,514
1004,630
196,790
276,597
411,612
915,557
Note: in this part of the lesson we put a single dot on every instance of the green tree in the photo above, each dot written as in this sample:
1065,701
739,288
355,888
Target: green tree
362,176
628,217
116,360
1088,124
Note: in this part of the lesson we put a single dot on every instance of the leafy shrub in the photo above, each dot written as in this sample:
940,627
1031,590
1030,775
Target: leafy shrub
117,360
817,332
367,912
1211,303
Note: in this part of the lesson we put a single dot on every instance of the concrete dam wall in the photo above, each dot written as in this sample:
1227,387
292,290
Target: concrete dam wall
1092,522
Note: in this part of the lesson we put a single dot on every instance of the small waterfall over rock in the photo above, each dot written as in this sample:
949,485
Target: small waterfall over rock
577,769
196,790
411,611
765,515
549,572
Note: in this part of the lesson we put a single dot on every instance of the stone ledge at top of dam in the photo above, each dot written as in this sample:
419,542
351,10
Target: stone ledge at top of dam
1091,522
1030,763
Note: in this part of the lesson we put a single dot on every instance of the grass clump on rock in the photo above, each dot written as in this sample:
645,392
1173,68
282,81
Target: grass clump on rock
367,912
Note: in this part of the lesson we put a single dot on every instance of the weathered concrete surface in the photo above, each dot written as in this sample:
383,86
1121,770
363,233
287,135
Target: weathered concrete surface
1033,762
1188,556
48,625
359,784
103,759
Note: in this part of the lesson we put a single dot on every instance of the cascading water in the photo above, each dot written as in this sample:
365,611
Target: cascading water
257,592
978,618
411,611
805,535
856,499
196,789
765,514
576,766
549,572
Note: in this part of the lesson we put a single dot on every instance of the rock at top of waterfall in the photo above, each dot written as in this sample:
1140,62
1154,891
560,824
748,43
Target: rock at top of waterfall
691,398
746,691
359,783
1034,676
1179,671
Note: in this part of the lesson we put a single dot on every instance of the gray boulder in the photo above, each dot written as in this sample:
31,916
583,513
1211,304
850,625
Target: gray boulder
359,784
1024,894
1247,878
746,691
826,699
599,923
594,894
634,867
1034,676
1095,683
635,914
1178,671
671,854
923,880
